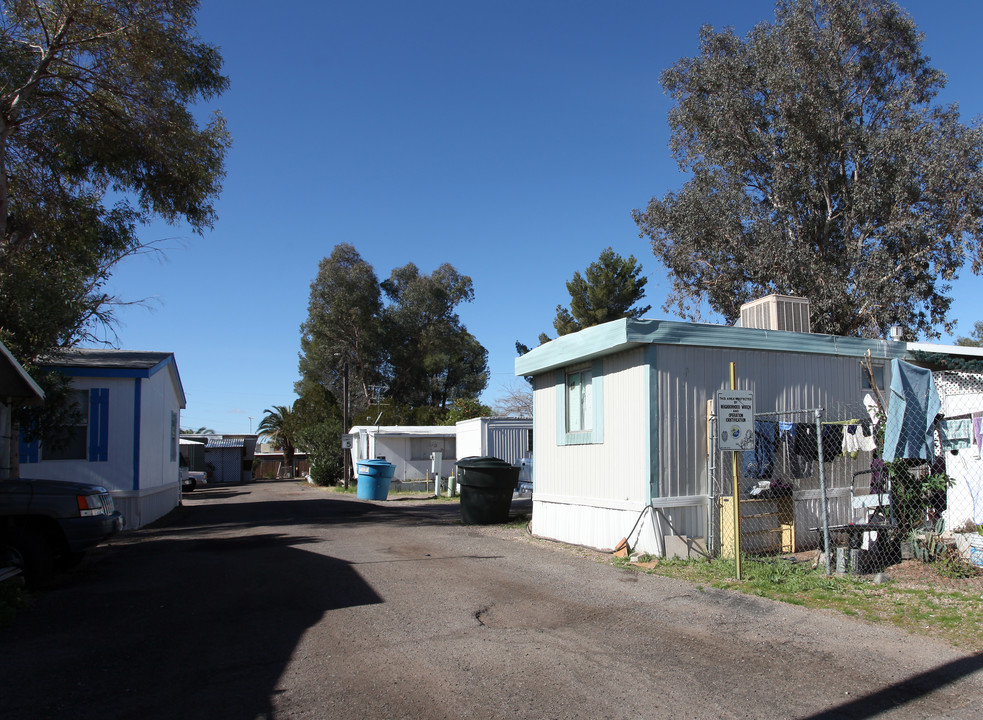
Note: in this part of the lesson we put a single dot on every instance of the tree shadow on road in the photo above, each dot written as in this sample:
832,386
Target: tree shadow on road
173,628
909,690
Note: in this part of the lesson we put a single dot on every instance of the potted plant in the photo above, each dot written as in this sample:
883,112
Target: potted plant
969,542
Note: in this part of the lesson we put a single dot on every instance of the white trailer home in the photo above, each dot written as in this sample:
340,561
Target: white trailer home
126,436
624,439
506,438
408,447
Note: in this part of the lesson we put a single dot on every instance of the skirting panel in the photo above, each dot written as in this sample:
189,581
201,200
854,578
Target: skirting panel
142,507
594,527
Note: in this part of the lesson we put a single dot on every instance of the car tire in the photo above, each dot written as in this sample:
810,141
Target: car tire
31,551
189,486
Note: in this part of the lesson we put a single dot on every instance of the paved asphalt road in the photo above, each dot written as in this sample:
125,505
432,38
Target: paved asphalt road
280,600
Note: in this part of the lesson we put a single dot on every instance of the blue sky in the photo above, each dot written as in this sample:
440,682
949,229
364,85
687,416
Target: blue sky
511,139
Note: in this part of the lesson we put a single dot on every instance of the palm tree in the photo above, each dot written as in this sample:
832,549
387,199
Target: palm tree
279,426
199,431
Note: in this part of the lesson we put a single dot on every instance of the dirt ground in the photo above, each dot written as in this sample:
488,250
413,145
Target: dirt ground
917,575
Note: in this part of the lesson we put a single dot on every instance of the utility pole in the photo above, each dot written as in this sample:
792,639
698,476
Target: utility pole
344,415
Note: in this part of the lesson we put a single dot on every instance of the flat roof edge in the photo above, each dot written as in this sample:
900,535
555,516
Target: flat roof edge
626,333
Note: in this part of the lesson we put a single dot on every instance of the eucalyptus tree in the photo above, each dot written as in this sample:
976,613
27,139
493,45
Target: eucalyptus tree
432,359
343,326
821,165
975,338
97,137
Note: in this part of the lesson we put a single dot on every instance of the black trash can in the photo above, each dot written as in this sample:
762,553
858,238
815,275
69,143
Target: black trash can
487,484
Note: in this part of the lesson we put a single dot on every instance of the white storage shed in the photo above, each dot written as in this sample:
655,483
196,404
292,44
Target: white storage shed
408,447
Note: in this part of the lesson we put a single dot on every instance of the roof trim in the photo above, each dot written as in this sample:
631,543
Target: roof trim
960,350
88,362
626,333
406,430
22,384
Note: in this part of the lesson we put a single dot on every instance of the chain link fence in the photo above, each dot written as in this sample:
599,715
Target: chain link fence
896,476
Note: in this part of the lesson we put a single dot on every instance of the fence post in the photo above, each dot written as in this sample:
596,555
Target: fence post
824,511
736,489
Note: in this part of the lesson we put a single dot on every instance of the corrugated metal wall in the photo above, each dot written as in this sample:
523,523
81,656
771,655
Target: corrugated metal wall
782,383
507,442
688,377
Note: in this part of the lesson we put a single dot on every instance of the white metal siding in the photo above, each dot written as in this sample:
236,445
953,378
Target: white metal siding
469,436
592,494
612,470
591,526
143,507
117,472
506,438
397,450
689,376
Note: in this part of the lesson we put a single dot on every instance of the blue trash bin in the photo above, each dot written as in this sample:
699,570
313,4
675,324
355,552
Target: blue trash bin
374,477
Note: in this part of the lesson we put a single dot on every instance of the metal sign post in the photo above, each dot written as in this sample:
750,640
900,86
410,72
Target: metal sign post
735,422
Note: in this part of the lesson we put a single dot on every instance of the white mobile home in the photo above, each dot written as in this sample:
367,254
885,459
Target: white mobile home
506,438
408,447
126,437
623,429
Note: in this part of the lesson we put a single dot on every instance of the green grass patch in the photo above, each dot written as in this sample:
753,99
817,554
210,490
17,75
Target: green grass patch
953,616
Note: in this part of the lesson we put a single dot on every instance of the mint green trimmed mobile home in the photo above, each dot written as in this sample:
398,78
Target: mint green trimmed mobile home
622,418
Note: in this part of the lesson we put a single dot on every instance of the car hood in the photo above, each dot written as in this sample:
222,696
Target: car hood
49,487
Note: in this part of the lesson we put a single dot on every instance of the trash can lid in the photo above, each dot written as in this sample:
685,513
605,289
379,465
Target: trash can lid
483,462
375,462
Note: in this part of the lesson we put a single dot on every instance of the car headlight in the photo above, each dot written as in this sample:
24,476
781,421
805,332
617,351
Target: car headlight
93,505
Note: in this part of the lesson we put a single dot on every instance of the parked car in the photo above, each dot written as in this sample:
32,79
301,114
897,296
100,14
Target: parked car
196,479
46,525
191,480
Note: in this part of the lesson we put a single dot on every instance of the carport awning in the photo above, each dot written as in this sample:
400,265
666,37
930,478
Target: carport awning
224,444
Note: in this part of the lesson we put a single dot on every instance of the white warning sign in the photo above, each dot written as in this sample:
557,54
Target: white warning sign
735,419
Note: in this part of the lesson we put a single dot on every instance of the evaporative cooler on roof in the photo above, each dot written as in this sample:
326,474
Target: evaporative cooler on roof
777,312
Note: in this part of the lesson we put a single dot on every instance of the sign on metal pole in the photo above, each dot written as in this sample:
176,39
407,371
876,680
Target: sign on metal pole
347,441
735,423
735,419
